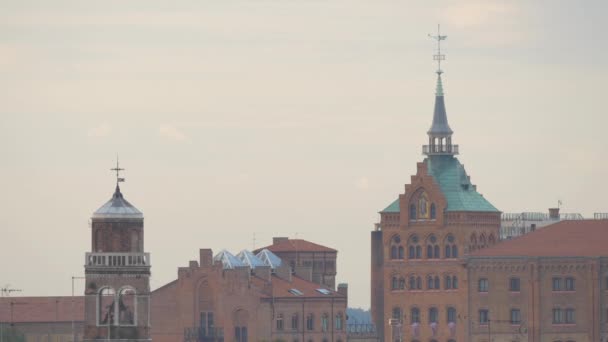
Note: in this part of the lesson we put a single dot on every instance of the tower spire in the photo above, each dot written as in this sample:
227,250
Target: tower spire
440,133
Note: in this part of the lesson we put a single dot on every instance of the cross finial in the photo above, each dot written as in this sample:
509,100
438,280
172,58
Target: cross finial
439,57
118,169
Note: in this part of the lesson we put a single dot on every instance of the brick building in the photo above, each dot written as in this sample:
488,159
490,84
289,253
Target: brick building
248,297
548,285
418,280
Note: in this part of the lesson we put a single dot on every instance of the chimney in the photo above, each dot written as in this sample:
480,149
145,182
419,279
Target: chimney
343,289
554,213
206,257
277,240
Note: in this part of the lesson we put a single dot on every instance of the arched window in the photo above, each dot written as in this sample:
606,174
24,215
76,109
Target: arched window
412,283
454,251
437,285
433,211
395,283
450,247
397,313
402,283
412,211
324,322
415,315
295,321
451,315
432,248
396,248
448,282
280,322
430,284
454,282
418,283
414,249
105,306
339,321
310,322
433,315
126,306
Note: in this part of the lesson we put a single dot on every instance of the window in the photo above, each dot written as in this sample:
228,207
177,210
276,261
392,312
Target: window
395,283
105,306
414,249
569,284
570,316
448,282
484,316
240,334
401,253
397,313
451,315
206,322
483,285
295,320
415,315
324,322
433,211
433,315
412,283
412,211
402,283
418,283
393,252
437,285
454,282
514,285
448,251
280,322
310,322
557,284
558,316
339,321
430,283
432,248
515,316
454,251
396,248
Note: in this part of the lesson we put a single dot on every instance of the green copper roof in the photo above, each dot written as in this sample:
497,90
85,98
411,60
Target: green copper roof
454,182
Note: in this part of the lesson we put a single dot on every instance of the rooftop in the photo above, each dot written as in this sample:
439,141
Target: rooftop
455,184
282,288
580,238
295,245
117,207
41,309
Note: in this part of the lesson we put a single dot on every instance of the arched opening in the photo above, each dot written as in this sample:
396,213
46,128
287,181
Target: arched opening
105,306
412,211
451,315
240,322
414,248
433,211
433,315
415,315
127,306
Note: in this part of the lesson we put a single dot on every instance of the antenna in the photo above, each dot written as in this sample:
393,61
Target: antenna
253,241
7,290
438,57
118,169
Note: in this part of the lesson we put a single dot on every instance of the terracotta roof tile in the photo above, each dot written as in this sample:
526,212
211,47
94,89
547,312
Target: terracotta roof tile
577,238
42,309
296,245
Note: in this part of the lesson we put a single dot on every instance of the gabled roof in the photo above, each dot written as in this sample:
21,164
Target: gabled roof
117,207
459,192
296,245
42,309
250,259
269,258
580,238
228,260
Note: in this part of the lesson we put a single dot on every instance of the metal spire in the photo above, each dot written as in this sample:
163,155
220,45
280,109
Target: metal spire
438,57
118,169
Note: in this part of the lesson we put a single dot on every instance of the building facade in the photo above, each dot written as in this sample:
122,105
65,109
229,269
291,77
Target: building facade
418,280
117,274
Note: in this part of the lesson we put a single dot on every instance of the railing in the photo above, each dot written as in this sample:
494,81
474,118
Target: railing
600,216
440,149
201,334
361,329
117,259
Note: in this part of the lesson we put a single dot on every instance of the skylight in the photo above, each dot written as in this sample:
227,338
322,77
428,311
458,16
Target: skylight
324,291
296,292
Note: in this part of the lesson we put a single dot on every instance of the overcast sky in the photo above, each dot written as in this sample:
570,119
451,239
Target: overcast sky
237,119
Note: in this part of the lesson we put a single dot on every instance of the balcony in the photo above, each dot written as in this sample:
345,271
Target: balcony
201,334
439,149
117,259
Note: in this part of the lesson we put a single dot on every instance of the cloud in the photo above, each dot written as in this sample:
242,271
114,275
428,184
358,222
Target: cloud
171,132
100,131
362,183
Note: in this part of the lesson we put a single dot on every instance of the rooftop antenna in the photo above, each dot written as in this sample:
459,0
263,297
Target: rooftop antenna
438,57
118,169
253,241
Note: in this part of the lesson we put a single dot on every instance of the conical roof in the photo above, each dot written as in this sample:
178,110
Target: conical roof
440,126
118,207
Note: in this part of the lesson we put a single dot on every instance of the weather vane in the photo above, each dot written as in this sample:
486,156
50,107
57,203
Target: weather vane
118,169
438,57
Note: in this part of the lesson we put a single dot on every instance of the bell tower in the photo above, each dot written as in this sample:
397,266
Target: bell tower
117,272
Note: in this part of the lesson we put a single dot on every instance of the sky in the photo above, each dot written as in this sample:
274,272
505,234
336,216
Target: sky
237,121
